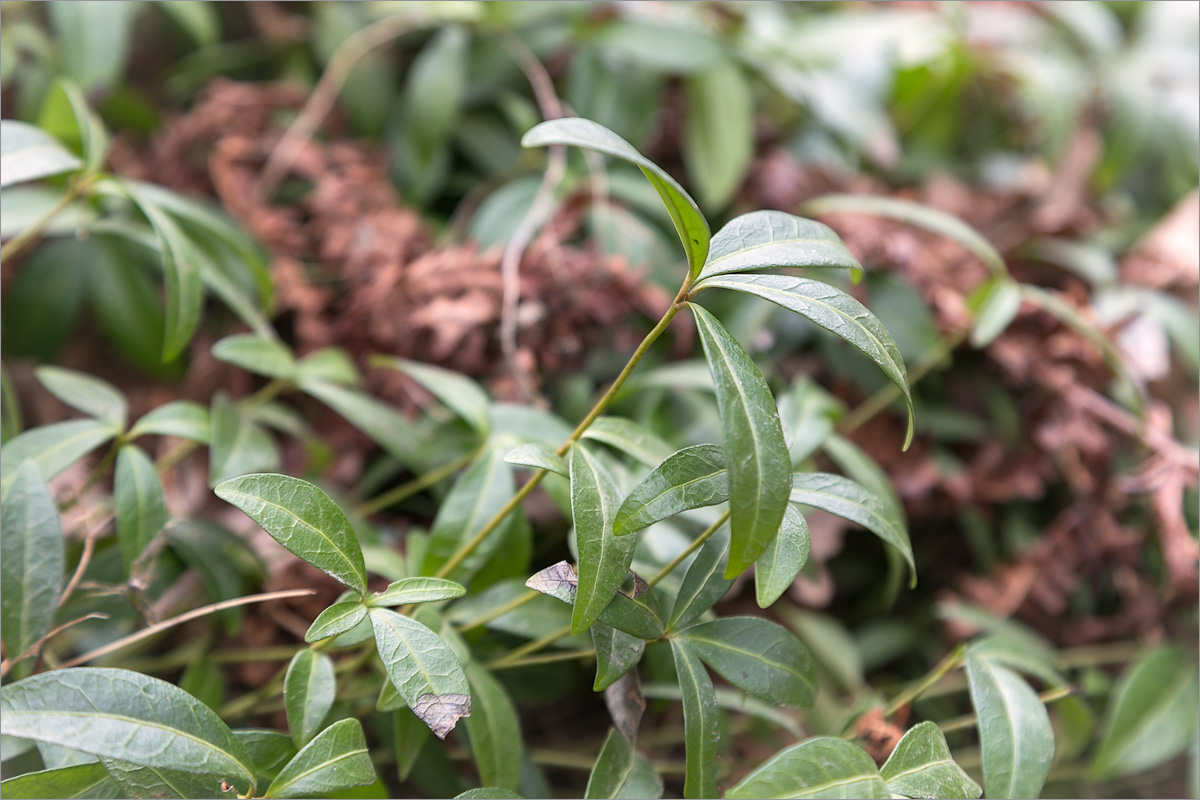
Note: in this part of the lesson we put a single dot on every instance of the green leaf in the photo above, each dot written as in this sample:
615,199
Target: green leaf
328,364
66,115
819,767
416,590
270,750
835,311
754,444
423,669
133,780
181,418
690,478
488,793
115,713
94,397
758,657
776,569
457,392
93,39
336,759
604,558
476,497
28,153
52,448
434,91
411,736
921,766
1015,736
718,139
617,652
1151,716
31,560
921,216
622,772
255,354
239,444
182,286
226,563
701,722
337,618
629,437
304,520
995,305
771,239
494,730
384,425
309,689
689,220
42,304
140,506
704,584
849,500
90,780
637,615
536,455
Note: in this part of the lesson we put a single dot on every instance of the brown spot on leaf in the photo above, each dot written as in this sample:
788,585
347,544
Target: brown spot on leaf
441,712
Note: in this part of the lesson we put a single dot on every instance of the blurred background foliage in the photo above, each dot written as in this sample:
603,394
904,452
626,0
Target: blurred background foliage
1044,500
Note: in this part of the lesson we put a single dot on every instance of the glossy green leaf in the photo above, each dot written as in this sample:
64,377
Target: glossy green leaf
416,590
309,689
922,216
134,780
494,730
689,220
181,418
239,445
65,114
757,656
604,558
921,766
718,139
701,722
90,780
28,153
849,500
617,652
423,669
94,397
115,713
140,506
835,311
761,473
456,391
255,354
536,455
622,772
304,520
704,583
995,308
337,618
629,437
776,569
772,239
689,478
1014,731
821,767
31,560
1151,715
335,760
387,427
476,497
52,448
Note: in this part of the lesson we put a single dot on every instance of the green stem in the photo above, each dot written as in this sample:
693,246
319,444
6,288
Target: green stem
529,647
687,551
946,665
967,720
549,658
414,486
18,242
499,611
97,473
601,406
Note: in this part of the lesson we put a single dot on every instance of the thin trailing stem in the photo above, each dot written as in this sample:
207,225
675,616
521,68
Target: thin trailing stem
948,664
967,720
17,243
499,611
530,647
687,551
416,485
546,659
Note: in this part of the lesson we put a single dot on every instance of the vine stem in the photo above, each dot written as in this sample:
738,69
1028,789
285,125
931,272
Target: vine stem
945,666
601,406
18,242
414,486
687,551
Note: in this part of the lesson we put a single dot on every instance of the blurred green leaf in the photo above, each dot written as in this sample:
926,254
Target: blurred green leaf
32,561
181,418
434,90
28,153
256,354
140,506
537,456
476,497
494,730
42,304
718,139
997,306
239,445
629,437
457,392
270,750
96,398
66,116
52,448
93,40
385,426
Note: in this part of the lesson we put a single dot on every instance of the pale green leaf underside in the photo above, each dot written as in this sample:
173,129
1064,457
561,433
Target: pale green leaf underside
28,153
689,221
309,689
416,590
629,437
832,309
457,392
1015,736
94,397
773,239
338,618
536,455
